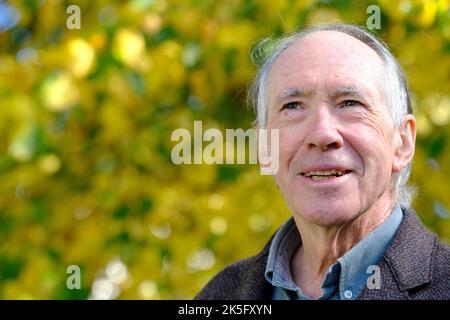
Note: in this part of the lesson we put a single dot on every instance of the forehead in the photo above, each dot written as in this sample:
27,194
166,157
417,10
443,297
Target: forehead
334,56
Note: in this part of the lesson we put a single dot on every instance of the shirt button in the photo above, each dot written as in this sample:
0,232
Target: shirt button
348,294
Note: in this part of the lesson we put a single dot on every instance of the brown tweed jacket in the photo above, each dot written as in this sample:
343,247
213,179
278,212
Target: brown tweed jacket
415,266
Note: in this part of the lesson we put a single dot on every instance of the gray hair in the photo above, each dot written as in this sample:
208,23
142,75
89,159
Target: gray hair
395,85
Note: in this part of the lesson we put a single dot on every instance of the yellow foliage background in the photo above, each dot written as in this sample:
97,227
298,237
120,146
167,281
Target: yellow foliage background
86,118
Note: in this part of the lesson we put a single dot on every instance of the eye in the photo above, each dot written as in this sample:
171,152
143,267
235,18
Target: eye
292,105
351,103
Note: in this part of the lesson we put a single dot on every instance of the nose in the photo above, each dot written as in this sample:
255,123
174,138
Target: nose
322,131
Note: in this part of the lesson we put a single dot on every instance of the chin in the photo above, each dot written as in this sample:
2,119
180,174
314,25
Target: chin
327,214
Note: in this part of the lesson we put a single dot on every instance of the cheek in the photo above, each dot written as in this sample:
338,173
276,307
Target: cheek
290,143
376,155
372,138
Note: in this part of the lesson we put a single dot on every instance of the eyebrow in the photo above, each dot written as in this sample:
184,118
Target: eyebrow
350,91
293,93
338,92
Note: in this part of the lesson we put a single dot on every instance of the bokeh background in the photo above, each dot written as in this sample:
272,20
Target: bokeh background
86,118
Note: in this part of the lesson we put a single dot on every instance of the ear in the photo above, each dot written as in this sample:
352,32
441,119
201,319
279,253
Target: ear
405,143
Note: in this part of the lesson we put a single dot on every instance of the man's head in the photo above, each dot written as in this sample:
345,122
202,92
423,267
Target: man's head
341,103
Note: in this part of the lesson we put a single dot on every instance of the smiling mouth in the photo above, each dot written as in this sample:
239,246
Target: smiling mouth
325,175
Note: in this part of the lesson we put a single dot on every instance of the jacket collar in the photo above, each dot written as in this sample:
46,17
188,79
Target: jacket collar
409,257
410,253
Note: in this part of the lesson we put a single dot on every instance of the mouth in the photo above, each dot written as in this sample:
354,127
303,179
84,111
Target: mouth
321,175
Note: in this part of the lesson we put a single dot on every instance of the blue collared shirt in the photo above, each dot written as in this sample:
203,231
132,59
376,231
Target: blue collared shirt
346,278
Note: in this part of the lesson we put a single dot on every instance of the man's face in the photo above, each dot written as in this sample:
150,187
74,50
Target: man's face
336,135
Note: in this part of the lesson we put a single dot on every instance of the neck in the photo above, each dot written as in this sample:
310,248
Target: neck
323,245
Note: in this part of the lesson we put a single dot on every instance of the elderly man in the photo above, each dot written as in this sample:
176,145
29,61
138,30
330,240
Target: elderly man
341,104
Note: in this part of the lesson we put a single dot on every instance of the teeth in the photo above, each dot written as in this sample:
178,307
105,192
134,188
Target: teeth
325,174
319,178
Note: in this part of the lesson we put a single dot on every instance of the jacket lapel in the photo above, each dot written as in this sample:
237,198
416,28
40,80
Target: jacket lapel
405,266
254,285
407,263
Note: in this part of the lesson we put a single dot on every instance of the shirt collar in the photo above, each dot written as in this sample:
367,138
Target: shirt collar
286,241
351,269
368,252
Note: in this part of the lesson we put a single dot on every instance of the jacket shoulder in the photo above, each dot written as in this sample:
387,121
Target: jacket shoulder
242,280
226,284
441,271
